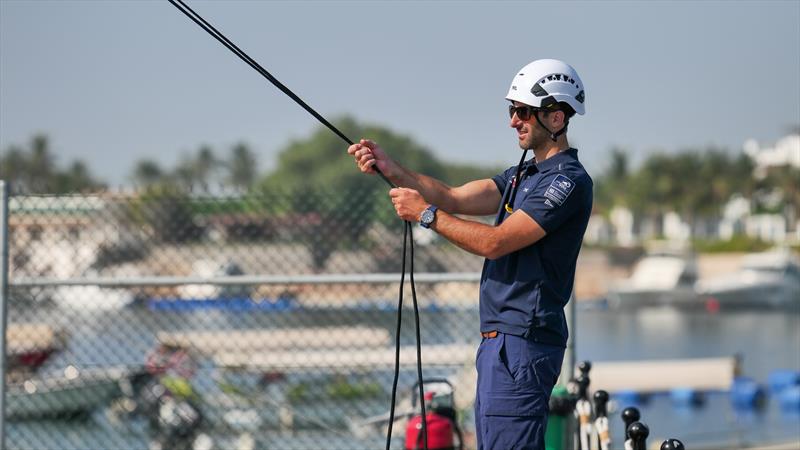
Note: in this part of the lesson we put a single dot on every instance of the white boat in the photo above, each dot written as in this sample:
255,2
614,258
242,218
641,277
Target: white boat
91,298
770,279
657,280
208,268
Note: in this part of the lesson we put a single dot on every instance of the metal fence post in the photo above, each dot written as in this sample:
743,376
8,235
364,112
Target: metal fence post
3,303
568,366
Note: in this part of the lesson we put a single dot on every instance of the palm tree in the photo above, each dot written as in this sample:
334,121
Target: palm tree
242,166
14,167
147,172
205,165
41,163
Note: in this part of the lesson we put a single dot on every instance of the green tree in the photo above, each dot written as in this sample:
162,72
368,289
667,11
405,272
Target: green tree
166,210
198,170
41,162
696,183
205,166
321,161
331,199
74,179
242,167
783,182
611,186
14,166
35,170
147,173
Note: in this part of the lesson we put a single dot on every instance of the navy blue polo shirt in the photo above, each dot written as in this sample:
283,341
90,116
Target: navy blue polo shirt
524,293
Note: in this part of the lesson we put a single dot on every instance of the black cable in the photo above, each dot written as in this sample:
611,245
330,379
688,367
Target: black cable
202,23
419,349
397,339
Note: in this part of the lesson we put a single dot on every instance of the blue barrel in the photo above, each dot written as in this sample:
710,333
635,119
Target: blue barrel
783,378
789,399
686,397
627,397
746,393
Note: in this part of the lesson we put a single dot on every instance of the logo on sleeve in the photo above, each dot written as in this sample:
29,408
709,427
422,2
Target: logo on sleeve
559,190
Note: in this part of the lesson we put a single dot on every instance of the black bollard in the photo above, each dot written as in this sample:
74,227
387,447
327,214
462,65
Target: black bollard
584,367
583,412
583,386
672,444
639,432
601,403
601,419
630,415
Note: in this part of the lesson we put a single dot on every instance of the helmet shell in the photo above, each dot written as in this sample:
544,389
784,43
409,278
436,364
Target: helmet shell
547,81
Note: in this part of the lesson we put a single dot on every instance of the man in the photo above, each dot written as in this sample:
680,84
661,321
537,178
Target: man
542,207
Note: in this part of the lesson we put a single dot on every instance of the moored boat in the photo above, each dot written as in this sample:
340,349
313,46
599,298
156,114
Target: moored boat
770,279
659,279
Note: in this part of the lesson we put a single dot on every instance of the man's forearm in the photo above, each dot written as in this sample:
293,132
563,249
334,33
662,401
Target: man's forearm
474,237
434,191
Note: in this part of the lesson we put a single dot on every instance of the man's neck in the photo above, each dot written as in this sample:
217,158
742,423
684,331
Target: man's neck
551,149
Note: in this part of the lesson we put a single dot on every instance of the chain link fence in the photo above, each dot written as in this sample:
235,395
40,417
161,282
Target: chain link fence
173,320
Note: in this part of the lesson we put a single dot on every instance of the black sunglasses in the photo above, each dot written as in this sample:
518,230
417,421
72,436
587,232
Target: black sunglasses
523,112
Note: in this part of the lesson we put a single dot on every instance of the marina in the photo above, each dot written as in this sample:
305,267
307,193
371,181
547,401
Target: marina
606,338
764,280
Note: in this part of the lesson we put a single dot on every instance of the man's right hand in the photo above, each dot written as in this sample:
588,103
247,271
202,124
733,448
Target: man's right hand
369,155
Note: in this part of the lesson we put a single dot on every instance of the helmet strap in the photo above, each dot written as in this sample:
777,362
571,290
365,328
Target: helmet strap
553,136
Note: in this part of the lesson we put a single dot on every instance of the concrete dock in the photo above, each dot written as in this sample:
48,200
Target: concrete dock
251,342
663,375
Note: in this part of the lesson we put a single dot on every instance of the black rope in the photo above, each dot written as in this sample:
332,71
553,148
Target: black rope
202,23
419,353
397,339
407,234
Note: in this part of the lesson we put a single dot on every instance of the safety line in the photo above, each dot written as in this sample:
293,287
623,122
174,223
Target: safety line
202,23
407,234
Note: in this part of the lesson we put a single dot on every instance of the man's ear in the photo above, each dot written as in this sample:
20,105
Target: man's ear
558,117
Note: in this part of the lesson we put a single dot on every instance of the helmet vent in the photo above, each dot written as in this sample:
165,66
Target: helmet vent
580,97
547,102
538,90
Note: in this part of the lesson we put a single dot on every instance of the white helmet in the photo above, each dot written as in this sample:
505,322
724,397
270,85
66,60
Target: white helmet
545,82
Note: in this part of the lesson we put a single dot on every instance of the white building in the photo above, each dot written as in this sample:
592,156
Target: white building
675,229
767,227
598,230
785,152
734,214
622,221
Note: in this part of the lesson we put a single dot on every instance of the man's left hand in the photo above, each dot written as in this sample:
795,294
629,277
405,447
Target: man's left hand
408,203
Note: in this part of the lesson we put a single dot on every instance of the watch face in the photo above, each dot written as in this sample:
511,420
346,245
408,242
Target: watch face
427,217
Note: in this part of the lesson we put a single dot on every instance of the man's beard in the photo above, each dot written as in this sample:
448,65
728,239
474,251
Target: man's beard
536,138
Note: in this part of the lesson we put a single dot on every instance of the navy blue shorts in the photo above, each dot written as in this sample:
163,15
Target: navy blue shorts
515,378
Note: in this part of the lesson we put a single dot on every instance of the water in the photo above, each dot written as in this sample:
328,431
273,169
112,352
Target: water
764,341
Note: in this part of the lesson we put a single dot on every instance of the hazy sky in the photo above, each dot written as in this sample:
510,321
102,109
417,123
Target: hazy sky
115,82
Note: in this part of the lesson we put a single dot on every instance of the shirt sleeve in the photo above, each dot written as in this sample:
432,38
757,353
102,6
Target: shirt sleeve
502,180
554,200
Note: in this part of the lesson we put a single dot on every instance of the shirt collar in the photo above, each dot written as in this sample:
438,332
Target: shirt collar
559,158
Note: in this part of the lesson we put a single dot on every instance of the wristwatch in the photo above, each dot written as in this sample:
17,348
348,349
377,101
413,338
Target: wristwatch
427,217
